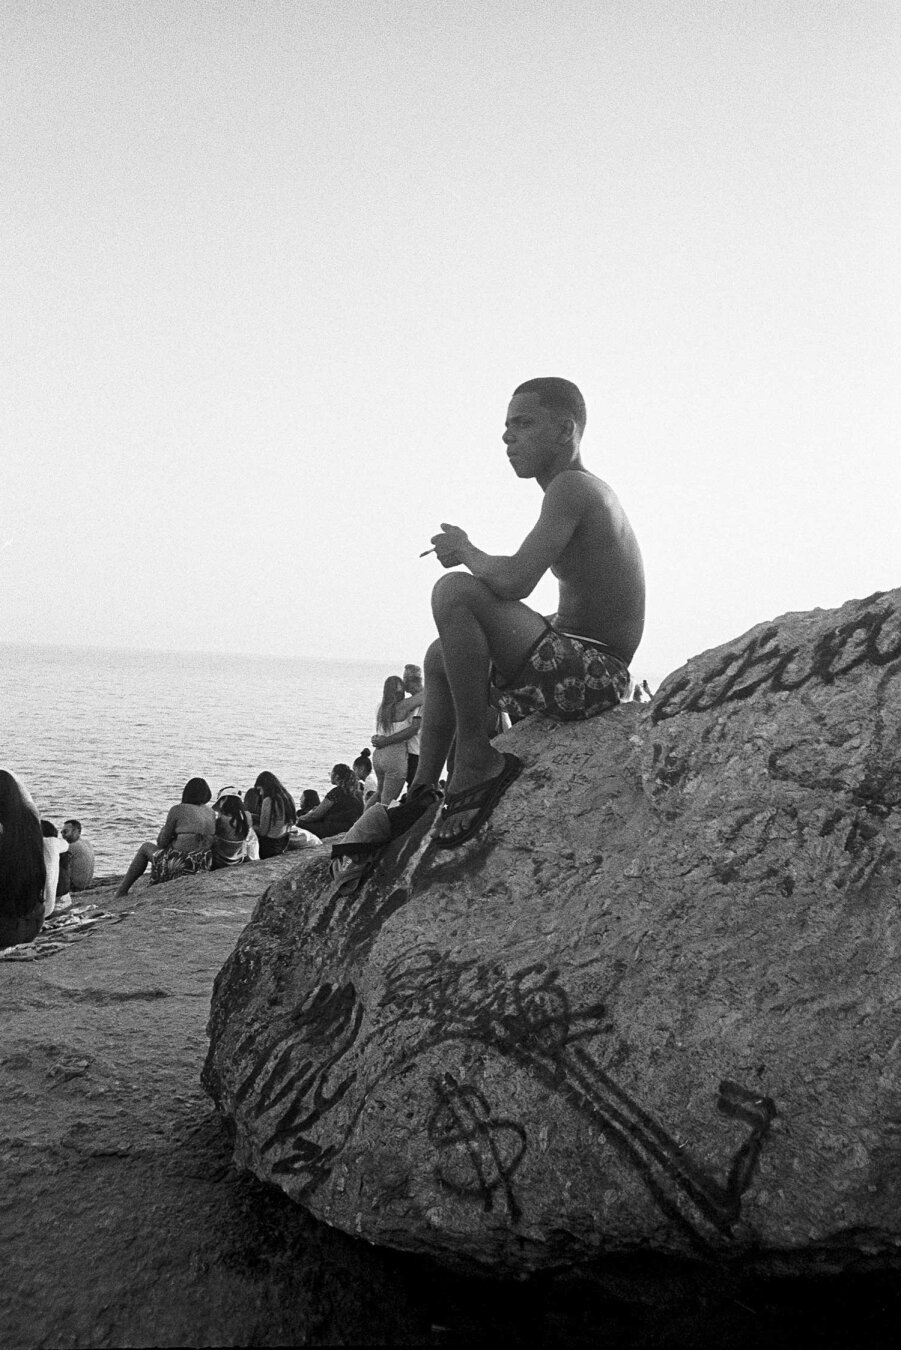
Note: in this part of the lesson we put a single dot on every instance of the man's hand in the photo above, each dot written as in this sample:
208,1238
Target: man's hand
379,741
450,545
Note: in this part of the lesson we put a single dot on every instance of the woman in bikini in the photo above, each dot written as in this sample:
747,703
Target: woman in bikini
184,844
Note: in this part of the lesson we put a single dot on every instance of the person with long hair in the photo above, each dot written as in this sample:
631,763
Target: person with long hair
394,727
272,812
22,871
232,828
339,808
184,844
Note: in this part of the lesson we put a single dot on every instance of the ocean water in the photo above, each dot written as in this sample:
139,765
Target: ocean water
111,737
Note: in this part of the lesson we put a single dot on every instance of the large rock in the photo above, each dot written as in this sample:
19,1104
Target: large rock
653,1005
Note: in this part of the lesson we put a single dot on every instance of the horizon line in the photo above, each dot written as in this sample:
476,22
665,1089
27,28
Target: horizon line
197,651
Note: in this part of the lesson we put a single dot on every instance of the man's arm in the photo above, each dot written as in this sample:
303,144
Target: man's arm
513,578
396,737
406,705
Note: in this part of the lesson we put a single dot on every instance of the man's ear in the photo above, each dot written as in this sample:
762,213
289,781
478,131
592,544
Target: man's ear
567,430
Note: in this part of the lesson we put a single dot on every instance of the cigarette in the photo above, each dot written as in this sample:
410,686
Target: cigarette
427,552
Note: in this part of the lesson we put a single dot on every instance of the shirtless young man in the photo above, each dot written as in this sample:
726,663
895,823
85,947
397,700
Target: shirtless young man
570,666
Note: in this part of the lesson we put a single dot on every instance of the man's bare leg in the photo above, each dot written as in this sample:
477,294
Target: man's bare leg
474,627
439,721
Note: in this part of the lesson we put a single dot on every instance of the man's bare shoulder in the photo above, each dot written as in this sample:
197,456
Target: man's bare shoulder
577,489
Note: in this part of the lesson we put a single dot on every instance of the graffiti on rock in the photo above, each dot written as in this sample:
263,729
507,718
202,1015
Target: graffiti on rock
296,1089
298,1077
527,1017
873,637
478,1152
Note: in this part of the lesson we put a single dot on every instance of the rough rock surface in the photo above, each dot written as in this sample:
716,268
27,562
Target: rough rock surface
122,1221
652,1006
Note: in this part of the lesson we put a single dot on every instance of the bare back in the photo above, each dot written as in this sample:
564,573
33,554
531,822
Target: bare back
601,576
187,828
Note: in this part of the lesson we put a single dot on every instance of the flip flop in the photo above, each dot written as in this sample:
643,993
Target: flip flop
482,799
349,870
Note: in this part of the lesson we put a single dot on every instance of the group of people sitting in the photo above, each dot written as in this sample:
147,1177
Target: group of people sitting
198,836
202,835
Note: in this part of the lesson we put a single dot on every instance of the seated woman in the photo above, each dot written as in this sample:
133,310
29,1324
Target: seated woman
340,807
251,843
184,844
369,783
22,872
232,829
272,812
301,838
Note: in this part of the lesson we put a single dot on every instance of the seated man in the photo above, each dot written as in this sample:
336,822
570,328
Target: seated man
572,665
81,852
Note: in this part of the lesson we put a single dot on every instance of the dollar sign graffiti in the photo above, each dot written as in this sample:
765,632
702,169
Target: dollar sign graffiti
478,1152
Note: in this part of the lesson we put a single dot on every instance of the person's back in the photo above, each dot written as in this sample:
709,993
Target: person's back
188,827
600,571
347,807
82,864
232,828
183,845
272,812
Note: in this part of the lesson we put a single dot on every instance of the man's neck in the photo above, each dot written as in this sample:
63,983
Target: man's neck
571,462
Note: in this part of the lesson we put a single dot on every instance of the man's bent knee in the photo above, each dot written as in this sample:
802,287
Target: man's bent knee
433,661
458,588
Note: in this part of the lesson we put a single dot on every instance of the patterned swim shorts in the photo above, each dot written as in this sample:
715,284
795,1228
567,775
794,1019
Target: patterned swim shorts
567,678
167,864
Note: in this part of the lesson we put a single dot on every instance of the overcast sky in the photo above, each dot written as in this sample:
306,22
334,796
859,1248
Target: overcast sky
271,271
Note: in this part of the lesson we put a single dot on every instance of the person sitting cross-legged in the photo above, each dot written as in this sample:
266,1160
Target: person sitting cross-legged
569,666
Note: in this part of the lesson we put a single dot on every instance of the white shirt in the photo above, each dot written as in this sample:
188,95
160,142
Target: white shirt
53,847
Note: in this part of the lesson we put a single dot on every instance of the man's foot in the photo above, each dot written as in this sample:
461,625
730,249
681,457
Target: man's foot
469,804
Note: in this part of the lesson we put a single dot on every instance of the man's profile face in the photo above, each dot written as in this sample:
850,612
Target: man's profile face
532,435
70,833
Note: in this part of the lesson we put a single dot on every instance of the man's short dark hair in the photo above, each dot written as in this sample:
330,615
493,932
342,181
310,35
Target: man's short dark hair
560,396
76,824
